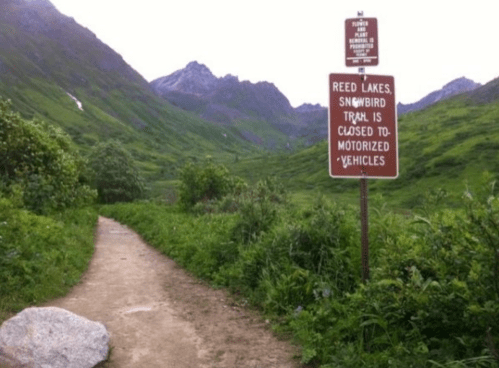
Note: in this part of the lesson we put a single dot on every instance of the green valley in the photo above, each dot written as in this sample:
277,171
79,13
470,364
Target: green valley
448,145
245,204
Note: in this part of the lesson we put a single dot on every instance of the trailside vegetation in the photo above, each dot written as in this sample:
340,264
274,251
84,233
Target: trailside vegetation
39,165
116,176
46,226
433,296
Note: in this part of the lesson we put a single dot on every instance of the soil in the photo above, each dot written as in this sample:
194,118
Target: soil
160,316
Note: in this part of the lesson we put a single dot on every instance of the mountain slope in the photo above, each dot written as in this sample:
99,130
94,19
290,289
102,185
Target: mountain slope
451,89
54,69
228,101
445,146
488,93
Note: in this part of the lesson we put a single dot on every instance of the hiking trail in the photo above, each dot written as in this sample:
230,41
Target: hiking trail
160,316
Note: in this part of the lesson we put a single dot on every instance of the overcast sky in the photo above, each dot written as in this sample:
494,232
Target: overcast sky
424,44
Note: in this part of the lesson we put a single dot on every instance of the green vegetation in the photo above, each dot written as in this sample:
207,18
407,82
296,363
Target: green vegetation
206,182
447,145
433,296
46,232
41,257
432,299
39,164
116,177
39,69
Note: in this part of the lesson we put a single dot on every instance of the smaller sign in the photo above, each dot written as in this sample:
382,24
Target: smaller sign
361,42
362,126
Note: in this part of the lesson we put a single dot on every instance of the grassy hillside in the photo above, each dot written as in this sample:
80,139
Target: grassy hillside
445,146
45,56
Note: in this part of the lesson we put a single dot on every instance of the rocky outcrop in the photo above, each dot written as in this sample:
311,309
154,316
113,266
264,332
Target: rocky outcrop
227,99
52,337
315,122
195,79
451,89
308,108
487,93
195,88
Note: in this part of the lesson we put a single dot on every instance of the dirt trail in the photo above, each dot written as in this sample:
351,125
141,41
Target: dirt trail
159,316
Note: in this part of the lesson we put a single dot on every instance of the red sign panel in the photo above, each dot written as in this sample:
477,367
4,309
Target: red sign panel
362,126
361,42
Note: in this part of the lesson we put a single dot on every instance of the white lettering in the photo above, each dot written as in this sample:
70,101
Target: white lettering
362,102
372,146
357,116
349,160
376,88
344,87
355,131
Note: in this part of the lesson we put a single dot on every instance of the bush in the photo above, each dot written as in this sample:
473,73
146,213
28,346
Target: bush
206,182
41,257
39,164
116,177
432,299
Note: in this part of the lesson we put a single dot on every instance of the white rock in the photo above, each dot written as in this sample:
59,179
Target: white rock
52,338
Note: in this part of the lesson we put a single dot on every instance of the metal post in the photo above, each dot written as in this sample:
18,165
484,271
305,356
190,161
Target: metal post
364,222
364,215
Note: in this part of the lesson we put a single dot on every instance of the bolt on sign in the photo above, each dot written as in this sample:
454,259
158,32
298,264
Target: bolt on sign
361,42
362,126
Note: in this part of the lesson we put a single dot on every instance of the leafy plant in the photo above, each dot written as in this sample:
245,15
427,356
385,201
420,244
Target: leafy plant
39,164
41,257
206,182
116,176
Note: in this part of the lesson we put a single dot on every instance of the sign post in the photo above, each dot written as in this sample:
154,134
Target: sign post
362,120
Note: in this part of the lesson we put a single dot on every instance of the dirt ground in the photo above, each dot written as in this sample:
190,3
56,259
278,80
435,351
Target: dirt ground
159,316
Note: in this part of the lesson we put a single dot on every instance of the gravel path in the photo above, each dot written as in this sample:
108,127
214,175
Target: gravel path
159,316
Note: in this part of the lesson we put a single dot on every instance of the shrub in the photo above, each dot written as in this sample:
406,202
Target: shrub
116,177
39,164
258,209
206,182
41,257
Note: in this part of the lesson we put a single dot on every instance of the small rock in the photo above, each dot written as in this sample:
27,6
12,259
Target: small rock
52,337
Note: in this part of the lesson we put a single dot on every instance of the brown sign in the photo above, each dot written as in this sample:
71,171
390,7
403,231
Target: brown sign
361,42
362,126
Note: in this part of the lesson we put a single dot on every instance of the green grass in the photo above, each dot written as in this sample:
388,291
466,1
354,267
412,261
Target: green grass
41,257
424,305
448,145
118,103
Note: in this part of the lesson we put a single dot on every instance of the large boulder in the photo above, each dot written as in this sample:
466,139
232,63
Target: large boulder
52,337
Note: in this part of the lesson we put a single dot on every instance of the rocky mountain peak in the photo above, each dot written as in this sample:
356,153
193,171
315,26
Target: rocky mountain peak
194,66
461,85
230,78
195,79
306,107
40,3
455,87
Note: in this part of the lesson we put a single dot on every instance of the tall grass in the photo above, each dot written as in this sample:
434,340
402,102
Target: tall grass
41,257
431,301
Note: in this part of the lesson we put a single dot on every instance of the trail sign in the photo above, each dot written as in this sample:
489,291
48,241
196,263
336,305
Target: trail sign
361,42
362,126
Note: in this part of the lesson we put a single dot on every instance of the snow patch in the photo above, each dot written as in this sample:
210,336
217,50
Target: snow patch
78,103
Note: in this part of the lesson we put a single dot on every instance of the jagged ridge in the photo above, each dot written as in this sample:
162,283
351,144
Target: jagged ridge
453,88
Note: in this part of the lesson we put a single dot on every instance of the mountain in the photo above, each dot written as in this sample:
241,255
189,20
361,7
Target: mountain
56,70
447,145
486,94
455,87
221,99
315,121
228,101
